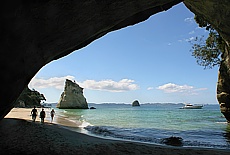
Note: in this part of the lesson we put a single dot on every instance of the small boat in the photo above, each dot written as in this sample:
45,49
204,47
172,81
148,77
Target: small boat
190,106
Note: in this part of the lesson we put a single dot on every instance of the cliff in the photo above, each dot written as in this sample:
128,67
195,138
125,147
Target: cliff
216,13
72,97
30,98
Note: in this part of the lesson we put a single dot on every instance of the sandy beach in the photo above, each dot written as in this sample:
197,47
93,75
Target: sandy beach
19,135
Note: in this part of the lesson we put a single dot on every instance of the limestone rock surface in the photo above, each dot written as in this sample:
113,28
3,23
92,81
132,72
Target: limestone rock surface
72,97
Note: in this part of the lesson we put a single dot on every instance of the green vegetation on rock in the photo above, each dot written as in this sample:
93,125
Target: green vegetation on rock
30,98
208,52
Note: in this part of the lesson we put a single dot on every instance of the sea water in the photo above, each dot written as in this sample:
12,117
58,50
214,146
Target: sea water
152,123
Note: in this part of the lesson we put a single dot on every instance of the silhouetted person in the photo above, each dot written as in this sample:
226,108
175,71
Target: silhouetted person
52,114
42,115
34,113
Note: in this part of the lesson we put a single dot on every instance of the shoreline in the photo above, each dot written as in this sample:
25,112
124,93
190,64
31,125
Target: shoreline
17,131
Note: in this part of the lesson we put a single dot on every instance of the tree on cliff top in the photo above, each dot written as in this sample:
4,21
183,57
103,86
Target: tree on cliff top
30,98
208,52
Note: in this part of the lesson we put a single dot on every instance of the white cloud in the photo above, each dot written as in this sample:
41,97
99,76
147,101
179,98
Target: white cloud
186,40
106,85
171,88
149,88
189,20
174,88
110,85
55,82
190,39
192,32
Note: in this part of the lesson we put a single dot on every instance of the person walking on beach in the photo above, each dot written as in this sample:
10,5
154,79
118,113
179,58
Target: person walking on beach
42,115
52,114
34,113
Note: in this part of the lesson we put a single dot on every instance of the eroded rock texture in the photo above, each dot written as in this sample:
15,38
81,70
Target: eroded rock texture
223,85
33,33
72,97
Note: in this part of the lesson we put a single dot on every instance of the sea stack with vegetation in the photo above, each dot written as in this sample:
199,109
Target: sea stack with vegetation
72,97
29,98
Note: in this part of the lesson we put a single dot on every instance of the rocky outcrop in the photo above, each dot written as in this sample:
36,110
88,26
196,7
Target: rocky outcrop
72,97
174,141
30,98
33,33
217,14
135,103
223,85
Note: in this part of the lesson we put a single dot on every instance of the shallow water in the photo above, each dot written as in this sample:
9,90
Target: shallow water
153,122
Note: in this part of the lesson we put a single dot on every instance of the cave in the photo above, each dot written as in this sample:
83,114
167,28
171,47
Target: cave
34,33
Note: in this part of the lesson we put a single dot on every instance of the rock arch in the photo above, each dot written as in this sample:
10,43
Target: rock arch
33,33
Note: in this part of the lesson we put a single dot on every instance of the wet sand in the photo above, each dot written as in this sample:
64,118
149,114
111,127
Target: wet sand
19,135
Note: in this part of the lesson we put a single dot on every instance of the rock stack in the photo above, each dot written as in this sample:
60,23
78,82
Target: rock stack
72,97
135,103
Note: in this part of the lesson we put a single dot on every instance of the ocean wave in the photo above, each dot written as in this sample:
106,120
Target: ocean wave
84,124
152,123
99,130
123,133
156,136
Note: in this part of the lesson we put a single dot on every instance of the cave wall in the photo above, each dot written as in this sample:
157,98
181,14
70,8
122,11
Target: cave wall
217,13
35,32
223,85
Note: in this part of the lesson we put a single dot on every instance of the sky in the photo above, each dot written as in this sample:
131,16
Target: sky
150,62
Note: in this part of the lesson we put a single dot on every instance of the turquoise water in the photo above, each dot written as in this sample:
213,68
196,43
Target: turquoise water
153,122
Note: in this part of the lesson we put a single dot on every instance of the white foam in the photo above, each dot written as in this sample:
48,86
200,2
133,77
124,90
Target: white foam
85,124
222,122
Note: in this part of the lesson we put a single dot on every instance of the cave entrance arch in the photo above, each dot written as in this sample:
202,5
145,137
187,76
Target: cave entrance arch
138,59
42,31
